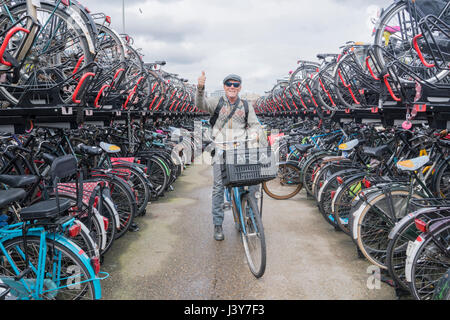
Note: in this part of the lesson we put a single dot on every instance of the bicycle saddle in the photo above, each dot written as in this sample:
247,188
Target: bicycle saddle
45,209
413,164
328,140
376,152
90,150
19,181
110,148
322,56
303,147
349,145
48,158
305,132
11,195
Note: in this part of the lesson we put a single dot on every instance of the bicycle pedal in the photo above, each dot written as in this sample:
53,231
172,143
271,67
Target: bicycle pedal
23,274
226,206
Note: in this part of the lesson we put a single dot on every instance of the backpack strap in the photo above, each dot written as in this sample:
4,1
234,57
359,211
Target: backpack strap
213,119
246,112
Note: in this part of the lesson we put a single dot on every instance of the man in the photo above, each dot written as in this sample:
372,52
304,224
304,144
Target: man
231,125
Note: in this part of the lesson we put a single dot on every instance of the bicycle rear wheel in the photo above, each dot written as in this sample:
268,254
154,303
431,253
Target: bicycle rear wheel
429,263
252,235
63,269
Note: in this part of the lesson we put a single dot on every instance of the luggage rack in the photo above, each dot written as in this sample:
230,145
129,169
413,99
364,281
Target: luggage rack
435,114
21,120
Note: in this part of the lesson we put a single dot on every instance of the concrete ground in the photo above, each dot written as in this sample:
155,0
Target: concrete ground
174,255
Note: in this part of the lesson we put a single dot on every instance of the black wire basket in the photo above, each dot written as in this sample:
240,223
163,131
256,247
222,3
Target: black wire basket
246,167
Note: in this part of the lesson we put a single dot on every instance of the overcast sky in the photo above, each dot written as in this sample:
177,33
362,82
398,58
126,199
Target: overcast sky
261,40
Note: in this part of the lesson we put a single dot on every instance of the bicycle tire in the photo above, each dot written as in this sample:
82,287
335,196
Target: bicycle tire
428,254
15,244
377,249
253,223
139,186
396,250
267,185
21,9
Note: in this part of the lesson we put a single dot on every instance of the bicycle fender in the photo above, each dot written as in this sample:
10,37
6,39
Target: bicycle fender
79,253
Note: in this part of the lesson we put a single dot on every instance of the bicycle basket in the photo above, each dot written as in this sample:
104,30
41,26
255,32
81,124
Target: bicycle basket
427,7
246,167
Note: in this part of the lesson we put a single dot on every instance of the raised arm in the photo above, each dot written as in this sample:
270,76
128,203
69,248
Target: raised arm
201,101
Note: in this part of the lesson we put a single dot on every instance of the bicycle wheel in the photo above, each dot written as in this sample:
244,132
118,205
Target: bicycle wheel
442,184
397,247
60,47
158,174
252,235
308,173
137,183
342,203
429,263
325,198
66,277
287,183
110,226
393,40
125,203
442,291
93,228
377,220
85,241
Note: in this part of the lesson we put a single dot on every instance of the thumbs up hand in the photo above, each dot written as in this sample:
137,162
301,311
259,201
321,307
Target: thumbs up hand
202,80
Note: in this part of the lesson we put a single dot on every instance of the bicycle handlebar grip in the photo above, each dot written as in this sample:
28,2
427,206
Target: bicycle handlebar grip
8,37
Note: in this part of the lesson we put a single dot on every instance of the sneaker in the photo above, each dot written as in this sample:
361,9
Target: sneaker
133,227
218,233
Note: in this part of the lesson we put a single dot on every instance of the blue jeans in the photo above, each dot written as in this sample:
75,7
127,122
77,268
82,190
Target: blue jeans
218,194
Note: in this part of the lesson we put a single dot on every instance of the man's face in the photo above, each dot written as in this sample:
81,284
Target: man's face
231,91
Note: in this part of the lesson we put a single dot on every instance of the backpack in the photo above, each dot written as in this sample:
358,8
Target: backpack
213,119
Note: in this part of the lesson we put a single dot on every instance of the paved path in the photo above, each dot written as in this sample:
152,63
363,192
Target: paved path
174,255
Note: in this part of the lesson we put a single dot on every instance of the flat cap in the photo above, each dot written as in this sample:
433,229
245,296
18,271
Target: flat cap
234,77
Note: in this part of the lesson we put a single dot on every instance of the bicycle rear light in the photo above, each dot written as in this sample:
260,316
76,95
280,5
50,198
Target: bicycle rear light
95,262
74,230
366,183
105,222
420,225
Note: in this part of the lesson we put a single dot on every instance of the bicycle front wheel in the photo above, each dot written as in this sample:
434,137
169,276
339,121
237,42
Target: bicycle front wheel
252,235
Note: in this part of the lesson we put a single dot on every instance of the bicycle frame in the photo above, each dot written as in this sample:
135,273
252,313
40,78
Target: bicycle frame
238,192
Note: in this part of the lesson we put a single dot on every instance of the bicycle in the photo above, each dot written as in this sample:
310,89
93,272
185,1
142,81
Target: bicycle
240,179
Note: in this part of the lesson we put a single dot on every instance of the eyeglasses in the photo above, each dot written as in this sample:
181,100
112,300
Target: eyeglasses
234,84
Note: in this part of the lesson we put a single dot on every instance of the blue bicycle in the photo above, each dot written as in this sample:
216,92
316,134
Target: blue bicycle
43,264
38,259
242,189
248,221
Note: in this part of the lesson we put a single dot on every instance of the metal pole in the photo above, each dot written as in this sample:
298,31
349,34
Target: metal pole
123,16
